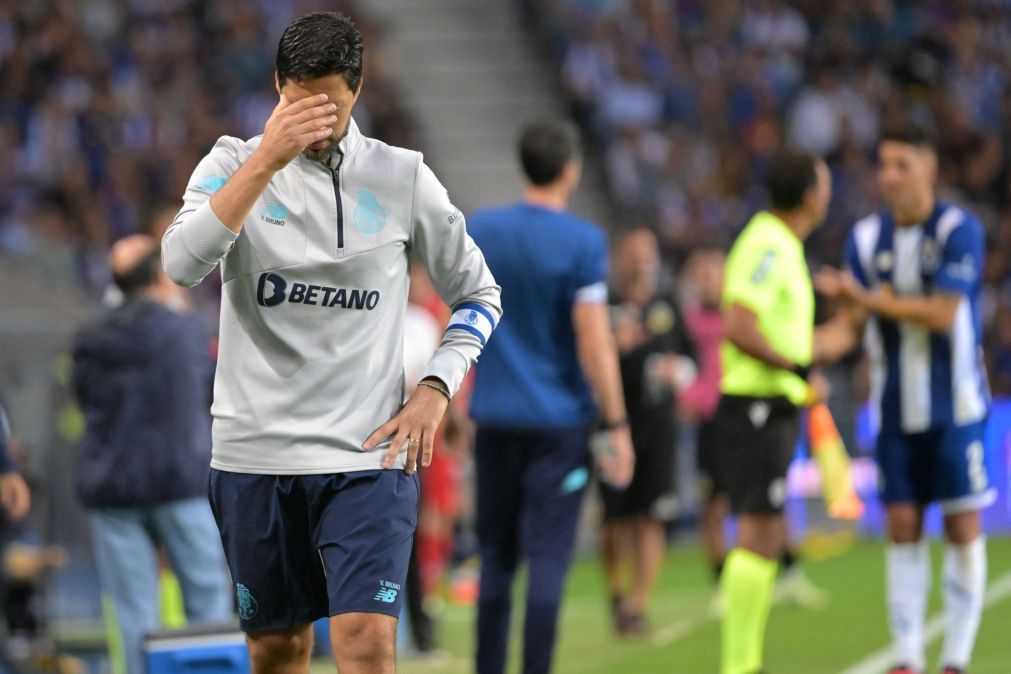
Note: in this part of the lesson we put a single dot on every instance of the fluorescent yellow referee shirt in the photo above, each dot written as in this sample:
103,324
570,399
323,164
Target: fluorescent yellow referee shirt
767,273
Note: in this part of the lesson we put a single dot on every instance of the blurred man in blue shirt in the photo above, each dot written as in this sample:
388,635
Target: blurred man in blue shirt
551,366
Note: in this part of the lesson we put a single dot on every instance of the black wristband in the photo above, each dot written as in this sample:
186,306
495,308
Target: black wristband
613,425
802,371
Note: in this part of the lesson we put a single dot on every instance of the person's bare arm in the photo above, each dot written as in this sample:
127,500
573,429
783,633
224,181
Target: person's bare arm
598,357
935,312
840,335
222,190
740,326
291,127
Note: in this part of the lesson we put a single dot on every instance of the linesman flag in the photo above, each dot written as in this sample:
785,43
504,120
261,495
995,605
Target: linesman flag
841,498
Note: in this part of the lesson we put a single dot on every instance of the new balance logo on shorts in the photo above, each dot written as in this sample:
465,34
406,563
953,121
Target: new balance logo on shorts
387,592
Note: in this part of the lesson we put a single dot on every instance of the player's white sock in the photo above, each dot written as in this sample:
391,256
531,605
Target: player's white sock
963,590
908,585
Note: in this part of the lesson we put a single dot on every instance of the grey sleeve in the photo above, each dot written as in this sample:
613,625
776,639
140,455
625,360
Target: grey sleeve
197,240
460,275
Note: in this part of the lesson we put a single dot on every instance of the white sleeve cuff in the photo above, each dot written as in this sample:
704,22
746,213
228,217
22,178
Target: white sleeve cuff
595,293
450,366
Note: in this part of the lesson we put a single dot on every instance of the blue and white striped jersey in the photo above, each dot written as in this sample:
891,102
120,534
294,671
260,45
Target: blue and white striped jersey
922,379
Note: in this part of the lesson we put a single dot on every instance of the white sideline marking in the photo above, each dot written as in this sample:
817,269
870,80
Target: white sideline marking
878,662
668,635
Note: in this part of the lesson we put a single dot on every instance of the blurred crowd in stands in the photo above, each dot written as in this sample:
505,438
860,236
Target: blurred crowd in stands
107,105
687,99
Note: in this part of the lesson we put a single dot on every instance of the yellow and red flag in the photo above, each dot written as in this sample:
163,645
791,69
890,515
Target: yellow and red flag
829,452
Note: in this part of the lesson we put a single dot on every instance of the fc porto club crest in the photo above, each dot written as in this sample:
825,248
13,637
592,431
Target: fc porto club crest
248,608
930,256
660,318
884,261
369,215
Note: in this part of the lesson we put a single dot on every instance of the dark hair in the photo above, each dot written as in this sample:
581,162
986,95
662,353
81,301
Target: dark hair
789,176
320,44
142,275
909,133
546,147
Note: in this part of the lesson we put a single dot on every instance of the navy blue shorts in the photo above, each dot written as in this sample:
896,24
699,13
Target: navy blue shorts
945,464
302,547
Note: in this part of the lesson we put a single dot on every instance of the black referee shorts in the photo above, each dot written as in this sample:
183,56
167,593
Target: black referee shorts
755,440
707,443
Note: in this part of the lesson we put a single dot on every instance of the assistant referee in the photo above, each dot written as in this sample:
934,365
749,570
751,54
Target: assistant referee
768,307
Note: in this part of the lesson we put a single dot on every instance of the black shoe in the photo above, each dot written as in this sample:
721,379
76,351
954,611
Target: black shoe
633,625
616,612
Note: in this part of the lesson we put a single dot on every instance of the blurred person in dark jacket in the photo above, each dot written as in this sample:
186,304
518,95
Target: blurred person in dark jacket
657,358
142,374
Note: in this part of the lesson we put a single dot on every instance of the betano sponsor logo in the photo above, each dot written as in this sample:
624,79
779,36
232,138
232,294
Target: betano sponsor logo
272,289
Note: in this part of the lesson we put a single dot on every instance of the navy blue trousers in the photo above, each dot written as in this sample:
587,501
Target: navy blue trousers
530,486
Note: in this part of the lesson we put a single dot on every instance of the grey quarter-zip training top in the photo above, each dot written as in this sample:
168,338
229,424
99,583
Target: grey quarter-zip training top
310,355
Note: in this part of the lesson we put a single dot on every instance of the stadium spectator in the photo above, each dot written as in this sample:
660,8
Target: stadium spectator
106,106
737,77
531,400
142,375
1000,358
657,360
697,403
730,77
